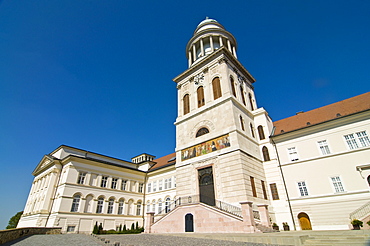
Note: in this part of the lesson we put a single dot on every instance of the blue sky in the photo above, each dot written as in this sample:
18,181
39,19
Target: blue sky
97,75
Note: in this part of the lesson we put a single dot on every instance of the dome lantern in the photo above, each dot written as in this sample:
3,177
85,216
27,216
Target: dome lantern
208,37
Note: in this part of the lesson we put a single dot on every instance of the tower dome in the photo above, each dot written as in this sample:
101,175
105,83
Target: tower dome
207,38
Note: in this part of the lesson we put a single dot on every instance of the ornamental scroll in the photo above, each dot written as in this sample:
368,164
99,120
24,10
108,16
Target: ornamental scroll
206,147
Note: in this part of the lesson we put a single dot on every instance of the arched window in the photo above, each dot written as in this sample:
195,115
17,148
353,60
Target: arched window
260,132
241,122
110,206
99,207
232,86
368,180
201,132
121,203
153,206
138,208
160,206
242,93
216,88
148,206
265,152
250,101
186,104
167,204
200,93
252,129
75,203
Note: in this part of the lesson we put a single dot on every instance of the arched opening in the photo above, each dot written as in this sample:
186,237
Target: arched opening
252,129
304,221
368,180
121,203
189,223
186,104
242,94
232,86
216,88
241,122
138,208
167,204
201,132
75,203
260,132
200,94
99,207
265,152
250,101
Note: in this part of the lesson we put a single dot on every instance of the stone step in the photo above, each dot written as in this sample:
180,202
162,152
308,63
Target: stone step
319,242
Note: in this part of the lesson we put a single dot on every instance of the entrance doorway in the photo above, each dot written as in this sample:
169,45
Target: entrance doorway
206,187
304,221
189,223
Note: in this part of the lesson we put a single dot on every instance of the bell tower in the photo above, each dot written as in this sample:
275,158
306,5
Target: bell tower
217,150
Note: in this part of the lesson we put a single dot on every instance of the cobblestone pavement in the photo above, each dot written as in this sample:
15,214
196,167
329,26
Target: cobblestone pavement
125,240
55,240
160,240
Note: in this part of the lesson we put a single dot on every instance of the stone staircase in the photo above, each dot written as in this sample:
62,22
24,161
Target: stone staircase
351,238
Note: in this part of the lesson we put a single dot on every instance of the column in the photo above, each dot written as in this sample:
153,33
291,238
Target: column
229,45
264,215
221,44
248,218
194,52
149,222
211,43
201,47
189,60
234,52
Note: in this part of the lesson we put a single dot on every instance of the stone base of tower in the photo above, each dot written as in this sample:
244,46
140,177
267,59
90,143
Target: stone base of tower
201,218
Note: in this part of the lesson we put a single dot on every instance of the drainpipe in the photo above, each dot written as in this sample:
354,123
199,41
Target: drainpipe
144,203
282,175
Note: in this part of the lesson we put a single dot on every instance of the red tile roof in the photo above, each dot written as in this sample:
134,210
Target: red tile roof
164,161
332,111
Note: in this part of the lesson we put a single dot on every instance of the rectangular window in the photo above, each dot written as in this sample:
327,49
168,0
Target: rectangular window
363,138
264,189
302,188
351,141
160,184
169,183
337,183
150,187
154,186
293,155
324,147
81,178
141,186
166,184
71,228
274,191
253,187
114,183
123,185
103,182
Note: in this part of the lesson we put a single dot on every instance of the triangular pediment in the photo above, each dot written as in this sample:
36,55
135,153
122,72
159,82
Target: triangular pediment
45,162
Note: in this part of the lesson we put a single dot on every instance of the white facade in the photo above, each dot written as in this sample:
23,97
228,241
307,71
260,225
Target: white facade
227,151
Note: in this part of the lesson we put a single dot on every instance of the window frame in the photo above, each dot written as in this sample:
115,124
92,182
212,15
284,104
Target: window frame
274,191
216,87
81,177
293,153
186,104
200,96
323,147
253,186
337,184
76,203
104,181
302,188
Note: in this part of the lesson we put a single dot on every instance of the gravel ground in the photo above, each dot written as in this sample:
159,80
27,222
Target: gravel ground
125,240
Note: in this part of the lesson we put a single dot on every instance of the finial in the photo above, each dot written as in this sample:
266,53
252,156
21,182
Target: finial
207,17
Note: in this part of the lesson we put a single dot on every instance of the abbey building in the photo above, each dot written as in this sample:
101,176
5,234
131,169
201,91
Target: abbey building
233,170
